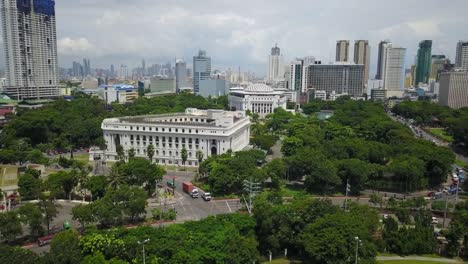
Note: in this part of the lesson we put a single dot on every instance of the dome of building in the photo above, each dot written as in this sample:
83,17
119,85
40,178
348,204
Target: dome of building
259,88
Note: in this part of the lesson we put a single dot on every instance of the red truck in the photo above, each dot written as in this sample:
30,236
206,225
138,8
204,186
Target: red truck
189,188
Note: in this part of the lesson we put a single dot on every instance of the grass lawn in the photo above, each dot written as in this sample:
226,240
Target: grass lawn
440,133
461,163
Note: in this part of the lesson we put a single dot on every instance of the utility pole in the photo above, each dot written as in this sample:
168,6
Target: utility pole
252,188
357,248
445,210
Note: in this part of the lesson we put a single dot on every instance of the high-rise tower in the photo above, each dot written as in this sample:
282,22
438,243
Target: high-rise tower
30,42
461,60
381,58
181,74
362,56
201,69
423,65
275,65
342,50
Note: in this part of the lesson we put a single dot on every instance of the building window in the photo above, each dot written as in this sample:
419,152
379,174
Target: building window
131,128
50,81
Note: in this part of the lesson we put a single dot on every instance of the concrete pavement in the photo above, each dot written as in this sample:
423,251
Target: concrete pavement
425,259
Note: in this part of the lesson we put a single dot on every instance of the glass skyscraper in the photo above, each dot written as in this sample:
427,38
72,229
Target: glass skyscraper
424,60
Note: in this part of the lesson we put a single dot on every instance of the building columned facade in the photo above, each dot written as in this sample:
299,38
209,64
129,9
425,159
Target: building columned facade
259,98
343,78
30,43
213,132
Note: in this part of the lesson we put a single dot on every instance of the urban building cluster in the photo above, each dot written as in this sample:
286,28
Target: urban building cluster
32,72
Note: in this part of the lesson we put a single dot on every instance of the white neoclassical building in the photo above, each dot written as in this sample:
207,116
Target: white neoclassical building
258,98
213,132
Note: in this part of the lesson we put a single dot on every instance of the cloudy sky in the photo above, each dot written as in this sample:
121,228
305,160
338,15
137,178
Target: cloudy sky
241,32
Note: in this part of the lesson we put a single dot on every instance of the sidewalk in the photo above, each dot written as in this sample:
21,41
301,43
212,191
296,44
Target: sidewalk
426,259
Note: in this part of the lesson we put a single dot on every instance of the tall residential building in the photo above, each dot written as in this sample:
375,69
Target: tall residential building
342,50
393,70
462,55
181,74
438,64
201,69
453,90
362,56
86,67
342,78
30,42
275,65
423,65
381,58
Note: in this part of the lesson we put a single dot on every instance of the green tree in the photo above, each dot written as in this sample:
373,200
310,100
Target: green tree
141,172
131,153
36,156
29,186
184,155
17,255
97,186
133,201
275,170
32,216
62,182
150,152
265,142
120,153
49,211
65,248
83,214
10,226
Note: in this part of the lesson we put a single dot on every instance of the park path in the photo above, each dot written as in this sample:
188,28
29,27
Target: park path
429,260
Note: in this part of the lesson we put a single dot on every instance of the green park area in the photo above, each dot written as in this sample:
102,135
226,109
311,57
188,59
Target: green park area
8,175
441,134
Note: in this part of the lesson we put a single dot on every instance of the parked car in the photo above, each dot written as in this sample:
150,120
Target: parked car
435,220
42,241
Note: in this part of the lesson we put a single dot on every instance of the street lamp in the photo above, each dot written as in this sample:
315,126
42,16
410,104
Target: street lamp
143,244
358,241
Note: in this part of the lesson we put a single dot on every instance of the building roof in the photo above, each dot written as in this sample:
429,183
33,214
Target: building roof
259,88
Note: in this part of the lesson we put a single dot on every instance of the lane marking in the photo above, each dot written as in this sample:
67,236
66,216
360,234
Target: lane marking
229,207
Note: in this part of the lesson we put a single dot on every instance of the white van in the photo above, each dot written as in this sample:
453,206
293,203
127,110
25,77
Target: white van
206,196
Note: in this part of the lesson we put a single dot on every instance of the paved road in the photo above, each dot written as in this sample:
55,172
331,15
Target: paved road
429,260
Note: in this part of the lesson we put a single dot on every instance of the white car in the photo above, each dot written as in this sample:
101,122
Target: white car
434,220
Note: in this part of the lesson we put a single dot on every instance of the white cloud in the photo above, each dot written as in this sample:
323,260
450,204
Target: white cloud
74,46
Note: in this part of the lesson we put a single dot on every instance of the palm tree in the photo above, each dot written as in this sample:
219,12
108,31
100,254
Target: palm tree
150,152
115,178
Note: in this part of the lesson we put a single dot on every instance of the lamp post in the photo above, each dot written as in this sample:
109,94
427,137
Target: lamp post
143,244
357,248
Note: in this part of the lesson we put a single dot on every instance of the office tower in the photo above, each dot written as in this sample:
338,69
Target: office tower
423,65
123,71
295,75
362,56
453,90
342,78
30,43
143,67
275,65
342,50
438,64
298,73
112,70
181,74
201,69
393,70
381,58
86,67
77,70
462,55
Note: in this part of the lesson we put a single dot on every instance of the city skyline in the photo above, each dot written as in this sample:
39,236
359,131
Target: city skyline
239,36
